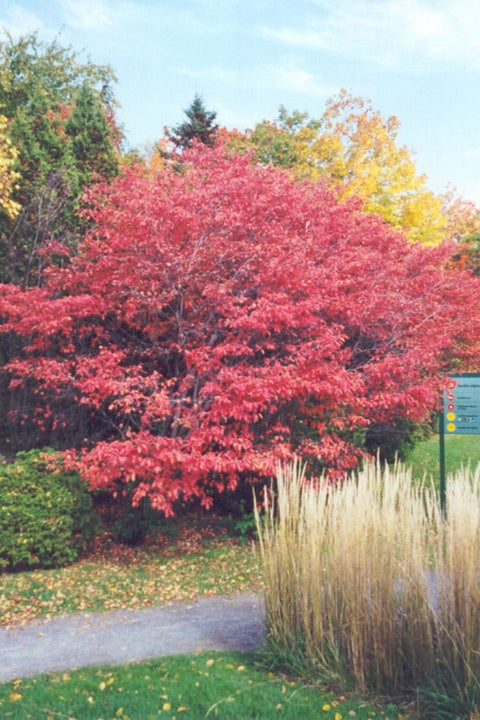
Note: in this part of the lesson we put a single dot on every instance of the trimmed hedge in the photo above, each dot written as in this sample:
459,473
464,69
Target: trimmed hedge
46,514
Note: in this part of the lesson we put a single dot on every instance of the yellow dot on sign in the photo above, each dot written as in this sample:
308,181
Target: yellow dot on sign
451,427
451,416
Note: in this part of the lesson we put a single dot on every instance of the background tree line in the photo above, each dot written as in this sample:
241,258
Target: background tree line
151,324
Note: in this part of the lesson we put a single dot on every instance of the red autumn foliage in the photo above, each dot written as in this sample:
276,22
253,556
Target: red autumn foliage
222,318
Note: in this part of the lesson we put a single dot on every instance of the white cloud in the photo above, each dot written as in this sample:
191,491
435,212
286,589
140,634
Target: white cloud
287,78
216,73
401,33
88,14
439,31
18,20
300,37
293,77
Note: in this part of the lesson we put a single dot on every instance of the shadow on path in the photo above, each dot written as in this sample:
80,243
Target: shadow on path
69,642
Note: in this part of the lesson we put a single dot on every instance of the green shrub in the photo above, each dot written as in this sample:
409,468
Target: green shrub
46,513
397,438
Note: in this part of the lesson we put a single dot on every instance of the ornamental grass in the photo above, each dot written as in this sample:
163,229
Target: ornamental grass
368,583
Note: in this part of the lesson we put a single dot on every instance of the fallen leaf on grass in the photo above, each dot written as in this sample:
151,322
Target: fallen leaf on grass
109,582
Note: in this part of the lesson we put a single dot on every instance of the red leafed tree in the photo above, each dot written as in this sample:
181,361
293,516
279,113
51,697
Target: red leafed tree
224,317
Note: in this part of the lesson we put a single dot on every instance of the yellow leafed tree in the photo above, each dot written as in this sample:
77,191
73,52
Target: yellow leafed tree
354,148
8,175
370,164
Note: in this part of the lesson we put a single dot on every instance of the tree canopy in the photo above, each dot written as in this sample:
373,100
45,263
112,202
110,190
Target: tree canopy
220,319
352,147
8,175
200,126
59,120
180,326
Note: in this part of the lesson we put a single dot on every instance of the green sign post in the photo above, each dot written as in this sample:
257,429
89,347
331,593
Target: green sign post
460,415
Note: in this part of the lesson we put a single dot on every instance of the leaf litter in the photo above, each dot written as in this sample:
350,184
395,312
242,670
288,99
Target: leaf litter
112,576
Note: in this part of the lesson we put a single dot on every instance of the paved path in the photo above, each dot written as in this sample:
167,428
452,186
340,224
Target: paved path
74,641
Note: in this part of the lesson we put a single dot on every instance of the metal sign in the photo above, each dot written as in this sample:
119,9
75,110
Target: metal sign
460,416
461,405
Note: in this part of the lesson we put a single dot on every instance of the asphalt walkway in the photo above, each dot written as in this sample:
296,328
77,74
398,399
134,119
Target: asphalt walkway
113,638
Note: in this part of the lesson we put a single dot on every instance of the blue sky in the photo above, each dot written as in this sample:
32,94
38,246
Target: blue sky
416,59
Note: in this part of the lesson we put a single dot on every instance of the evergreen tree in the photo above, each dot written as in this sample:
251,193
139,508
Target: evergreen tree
88,127
59,120
200,126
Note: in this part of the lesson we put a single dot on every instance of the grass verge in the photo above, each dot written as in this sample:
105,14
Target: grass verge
230,686
199,561
460,451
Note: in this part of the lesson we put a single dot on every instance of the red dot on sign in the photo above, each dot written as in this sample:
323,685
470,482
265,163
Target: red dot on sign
450,407
450,397
451,384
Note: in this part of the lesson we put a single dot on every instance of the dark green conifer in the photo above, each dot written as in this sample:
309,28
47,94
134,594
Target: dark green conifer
200,126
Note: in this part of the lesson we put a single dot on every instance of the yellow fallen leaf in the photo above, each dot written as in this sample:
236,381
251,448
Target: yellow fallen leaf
14,697
167,706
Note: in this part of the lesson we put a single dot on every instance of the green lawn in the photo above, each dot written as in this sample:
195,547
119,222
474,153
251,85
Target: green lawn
459,450
227,686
